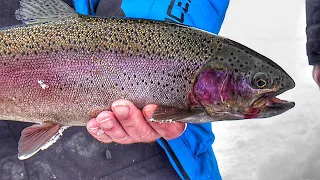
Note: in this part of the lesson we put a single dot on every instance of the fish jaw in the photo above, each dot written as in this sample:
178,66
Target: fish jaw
272,106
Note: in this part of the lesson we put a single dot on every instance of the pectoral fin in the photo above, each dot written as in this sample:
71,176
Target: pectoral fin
171,114
38,137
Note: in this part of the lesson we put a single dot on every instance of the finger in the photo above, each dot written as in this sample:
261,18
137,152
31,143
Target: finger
133,122
97,132
316,74
110,125
165,130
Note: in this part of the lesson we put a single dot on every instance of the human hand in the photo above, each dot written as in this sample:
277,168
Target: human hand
126,125
316,74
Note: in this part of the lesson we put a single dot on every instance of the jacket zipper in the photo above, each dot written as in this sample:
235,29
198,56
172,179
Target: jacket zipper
175,159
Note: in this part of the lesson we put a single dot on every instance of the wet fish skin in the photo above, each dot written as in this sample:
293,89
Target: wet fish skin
87,63
68,71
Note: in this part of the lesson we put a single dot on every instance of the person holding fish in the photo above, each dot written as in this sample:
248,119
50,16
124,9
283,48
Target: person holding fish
313,31
64,69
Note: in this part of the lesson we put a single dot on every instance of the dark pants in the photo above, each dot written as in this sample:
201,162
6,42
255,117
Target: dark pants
77,155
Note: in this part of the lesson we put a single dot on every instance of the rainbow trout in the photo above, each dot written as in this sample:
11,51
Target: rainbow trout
62,68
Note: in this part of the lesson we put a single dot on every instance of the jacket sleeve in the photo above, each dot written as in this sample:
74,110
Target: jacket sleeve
193,150
191,154
313,31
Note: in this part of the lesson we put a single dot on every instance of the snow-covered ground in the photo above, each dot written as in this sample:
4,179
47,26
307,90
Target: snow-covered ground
286,147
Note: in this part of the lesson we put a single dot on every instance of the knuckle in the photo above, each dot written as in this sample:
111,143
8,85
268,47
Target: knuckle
132,121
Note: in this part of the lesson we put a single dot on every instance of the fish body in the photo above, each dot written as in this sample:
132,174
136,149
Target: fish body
64,70
68,71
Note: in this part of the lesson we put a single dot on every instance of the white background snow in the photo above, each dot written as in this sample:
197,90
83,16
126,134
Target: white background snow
286,147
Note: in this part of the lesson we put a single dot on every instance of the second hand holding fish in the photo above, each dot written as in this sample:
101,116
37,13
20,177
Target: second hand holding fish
316,74
127,124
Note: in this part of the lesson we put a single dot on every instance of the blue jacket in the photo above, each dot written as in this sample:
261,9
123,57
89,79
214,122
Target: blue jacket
191,154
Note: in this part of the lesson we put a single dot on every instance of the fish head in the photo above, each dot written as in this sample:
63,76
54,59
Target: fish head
239,83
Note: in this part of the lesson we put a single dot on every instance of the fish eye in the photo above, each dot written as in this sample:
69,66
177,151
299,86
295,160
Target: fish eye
260,80
261,83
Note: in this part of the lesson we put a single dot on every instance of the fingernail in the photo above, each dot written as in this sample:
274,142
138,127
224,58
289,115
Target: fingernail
92,129
100,132
106,123
122,110
103,120
185,127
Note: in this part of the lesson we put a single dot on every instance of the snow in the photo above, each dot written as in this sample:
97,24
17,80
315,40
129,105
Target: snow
285,147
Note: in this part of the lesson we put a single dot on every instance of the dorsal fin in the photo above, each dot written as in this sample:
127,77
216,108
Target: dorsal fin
41,11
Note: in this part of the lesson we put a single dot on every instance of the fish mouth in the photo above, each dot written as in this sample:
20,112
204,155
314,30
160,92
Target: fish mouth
268,106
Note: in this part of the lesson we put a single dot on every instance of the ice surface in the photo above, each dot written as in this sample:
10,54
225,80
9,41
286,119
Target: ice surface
285,147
